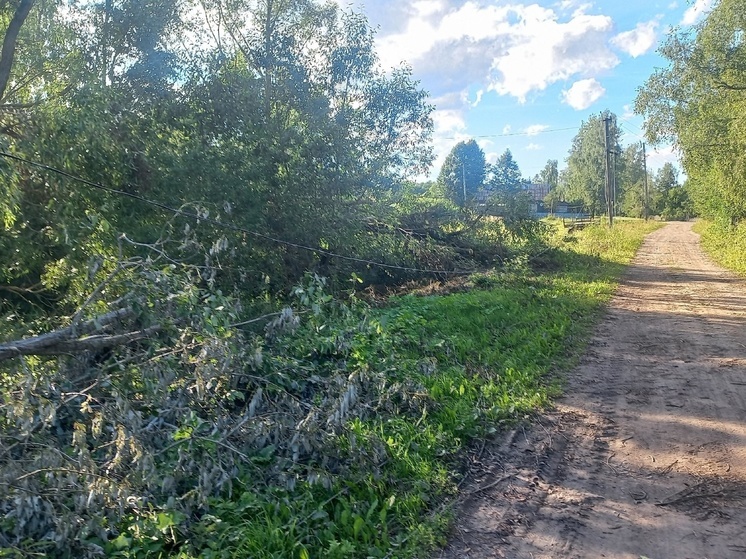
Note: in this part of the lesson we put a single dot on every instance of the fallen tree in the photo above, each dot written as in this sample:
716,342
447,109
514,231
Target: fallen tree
93,335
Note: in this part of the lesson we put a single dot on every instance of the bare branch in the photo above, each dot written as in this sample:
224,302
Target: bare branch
65,339
9,42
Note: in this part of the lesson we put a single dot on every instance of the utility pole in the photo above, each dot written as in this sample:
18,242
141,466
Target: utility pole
646,192
614,155
609,193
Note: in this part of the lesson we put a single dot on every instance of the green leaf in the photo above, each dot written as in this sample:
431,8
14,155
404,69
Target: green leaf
183,432
358,526
166,520
121,542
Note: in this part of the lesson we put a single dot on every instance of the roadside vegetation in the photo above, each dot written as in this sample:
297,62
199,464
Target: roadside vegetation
332,429
726,244
215,340
695,103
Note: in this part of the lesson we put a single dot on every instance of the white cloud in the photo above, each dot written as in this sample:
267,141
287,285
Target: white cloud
421,35
535,129
428,7
544,51
507,129
533,147
657,157
695,12
639,40
513,49
491,157
452,100
628,112
448,121
583,93
577,6
582,9
449,129
478,98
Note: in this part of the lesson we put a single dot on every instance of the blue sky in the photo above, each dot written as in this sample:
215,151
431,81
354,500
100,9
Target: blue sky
524,75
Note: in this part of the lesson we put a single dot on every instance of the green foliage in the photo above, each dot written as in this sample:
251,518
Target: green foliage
337,427
725,243
631,182
584,181
695,102
302,145
550,174
675,204
671,200
505,174
463,173
223,420
667,178
508,198
617,246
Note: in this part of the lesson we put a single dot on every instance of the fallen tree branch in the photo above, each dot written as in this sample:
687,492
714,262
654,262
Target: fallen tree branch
95,343
67,340
33,290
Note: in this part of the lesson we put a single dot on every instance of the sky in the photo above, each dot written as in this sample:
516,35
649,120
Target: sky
524,75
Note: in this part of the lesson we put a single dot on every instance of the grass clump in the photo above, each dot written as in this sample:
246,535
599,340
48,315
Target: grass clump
726,244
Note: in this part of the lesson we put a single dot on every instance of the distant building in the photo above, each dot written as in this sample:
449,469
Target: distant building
538,190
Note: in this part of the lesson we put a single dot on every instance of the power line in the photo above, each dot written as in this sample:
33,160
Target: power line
630,131
641,134
632,125
198,218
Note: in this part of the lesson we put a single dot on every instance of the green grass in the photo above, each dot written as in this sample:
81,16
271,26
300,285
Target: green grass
446,371
726,245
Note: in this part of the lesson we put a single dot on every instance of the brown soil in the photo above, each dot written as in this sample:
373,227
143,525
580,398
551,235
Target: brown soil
645,456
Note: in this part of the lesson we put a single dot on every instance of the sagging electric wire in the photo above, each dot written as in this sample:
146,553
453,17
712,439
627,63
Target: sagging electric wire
229,226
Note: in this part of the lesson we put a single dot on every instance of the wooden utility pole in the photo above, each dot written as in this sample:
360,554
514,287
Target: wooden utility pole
609,193
646,192
614,154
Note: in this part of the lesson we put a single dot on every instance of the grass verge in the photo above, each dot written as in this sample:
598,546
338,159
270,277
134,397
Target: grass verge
422,378
725,244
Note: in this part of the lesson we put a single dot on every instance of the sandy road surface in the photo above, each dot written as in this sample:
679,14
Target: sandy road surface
646,454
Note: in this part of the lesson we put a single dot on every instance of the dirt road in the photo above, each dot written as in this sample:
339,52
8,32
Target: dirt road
645,456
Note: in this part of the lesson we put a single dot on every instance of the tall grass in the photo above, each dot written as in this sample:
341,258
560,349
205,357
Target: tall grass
725,244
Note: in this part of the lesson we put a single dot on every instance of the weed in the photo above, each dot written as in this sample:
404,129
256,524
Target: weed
726,244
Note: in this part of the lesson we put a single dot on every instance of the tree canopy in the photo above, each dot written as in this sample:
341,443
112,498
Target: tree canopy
695,103
550,174
463,172
586,167
631,181
505,174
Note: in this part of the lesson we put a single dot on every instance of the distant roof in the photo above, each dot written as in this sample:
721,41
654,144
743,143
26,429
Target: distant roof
538,191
